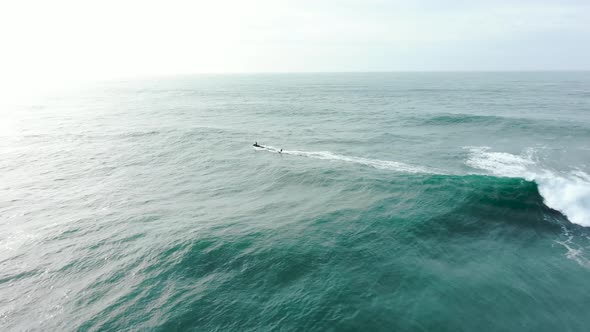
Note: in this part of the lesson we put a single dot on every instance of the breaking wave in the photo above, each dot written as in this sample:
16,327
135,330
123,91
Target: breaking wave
568,193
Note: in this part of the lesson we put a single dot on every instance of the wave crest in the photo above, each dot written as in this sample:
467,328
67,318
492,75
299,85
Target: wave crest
567,193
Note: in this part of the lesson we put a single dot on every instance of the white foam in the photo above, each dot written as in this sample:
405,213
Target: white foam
575,251
568,193
375,163
575,254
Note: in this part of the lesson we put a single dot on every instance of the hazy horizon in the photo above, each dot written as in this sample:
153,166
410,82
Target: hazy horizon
69,40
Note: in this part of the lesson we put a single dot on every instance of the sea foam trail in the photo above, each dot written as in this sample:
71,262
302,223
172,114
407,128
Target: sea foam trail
375,163
569,193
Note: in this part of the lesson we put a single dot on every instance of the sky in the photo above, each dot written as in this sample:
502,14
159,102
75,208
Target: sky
63,39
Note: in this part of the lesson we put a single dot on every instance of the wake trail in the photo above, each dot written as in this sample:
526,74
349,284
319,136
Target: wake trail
375,163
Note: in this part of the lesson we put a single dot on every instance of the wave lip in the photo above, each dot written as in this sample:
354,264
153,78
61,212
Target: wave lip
566,193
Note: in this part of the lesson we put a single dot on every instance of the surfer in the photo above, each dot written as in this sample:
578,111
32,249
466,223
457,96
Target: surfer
281,151
257,145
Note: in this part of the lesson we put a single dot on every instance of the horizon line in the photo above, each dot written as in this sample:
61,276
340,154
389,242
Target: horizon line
345,72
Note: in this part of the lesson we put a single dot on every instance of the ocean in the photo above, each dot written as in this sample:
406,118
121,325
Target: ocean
400,202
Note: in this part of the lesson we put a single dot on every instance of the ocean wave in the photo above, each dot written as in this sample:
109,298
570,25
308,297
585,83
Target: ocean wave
454,119
504,122
567,193
450,119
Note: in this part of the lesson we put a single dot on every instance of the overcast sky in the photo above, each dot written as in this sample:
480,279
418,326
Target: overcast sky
103,39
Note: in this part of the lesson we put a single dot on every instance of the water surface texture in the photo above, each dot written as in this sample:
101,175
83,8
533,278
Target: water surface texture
400,202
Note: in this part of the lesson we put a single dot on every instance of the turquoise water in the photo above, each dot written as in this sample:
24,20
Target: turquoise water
401,202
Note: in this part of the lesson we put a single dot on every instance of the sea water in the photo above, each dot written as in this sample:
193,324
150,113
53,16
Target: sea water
400,202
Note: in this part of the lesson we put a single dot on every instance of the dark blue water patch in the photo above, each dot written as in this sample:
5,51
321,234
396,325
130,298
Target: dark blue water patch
500,124
475,119
485,203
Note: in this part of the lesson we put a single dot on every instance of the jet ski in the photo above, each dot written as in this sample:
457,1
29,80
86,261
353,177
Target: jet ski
256,145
